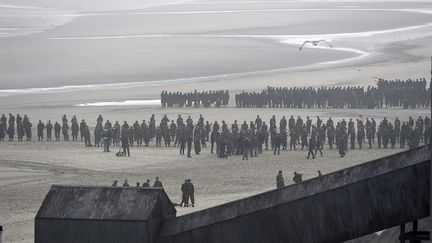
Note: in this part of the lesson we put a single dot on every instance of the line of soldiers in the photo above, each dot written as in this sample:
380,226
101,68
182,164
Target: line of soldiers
195,99
246,139
157,183
406,94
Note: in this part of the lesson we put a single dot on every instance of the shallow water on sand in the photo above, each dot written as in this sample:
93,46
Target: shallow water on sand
187,41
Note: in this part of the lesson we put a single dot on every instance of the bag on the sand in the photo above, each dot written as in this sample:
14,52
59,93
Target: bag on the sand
119,154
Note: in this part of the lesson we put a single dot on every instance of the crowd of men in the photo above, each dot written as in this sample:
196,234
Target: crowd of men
195,99
247,139
387,93
187,189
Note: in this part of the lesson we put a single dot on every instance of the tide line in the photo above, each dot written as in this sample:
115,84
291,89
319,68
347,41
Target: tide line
121,103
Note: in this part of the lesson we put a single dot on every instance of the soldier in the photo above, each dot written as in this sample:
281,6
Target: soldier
146,184
279,180
98,132
40,128
173,131
293,139
190,191
157,183
99,120
189,140
297,177
125,146
379,135
131,136
65,130
126,184
114,183
319,146
373,122
392,136
360,134
304,137
397,127
277,144
197,142
116,134
74,129
28,130
158,135
246,144
107,137
311,148
86,135
207,131
185,196
352,136
57,129
369,135
264,130
258,122
331,136
82,125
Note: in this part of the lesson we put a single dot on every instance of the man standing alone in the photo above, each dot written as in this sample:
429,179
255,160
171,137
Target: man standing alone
279,180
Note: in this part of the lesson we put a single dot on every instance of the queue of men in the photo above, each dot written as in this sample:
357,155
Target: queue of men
187,189
387,93
247,139
195,99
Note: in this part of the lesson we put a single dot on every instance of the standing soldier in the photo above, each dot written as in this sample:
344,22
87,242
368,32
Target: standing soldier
28,130
279,180
81,128
331,136
40,129
264,130
107,136
125,146
86,135
11,127
185,196
173,131
57,129
158,135
369,135
75,129
379,135
189,141
277,144
397,128
190,191
360,134
65,131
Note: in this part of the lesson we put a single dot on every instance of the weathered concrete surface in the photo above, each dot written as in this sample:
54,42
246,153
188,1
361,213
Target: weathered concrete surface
101,214
336,207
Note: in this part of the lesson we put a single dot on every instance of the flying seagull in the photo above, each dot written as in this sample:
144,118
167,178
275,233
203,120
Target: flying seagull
315,43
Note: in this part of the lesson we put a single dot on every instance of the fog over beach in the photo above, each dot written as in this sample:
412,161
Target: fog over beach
114,58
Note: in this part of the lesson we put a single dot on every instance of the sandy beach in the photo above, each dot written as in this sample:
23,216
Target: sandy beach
58,55
28,169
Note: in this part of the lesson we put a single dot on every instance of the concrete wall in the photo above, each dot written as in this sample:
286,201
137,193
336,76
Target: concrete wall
340,206
88,231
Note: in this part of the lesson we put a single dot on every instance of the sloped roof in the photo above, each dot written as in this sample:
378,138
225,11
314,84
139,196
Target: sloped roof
106,203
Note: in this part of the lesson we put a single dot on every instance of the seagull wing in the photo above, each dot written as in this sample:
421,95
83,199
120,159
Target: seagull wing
328,43
304,43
